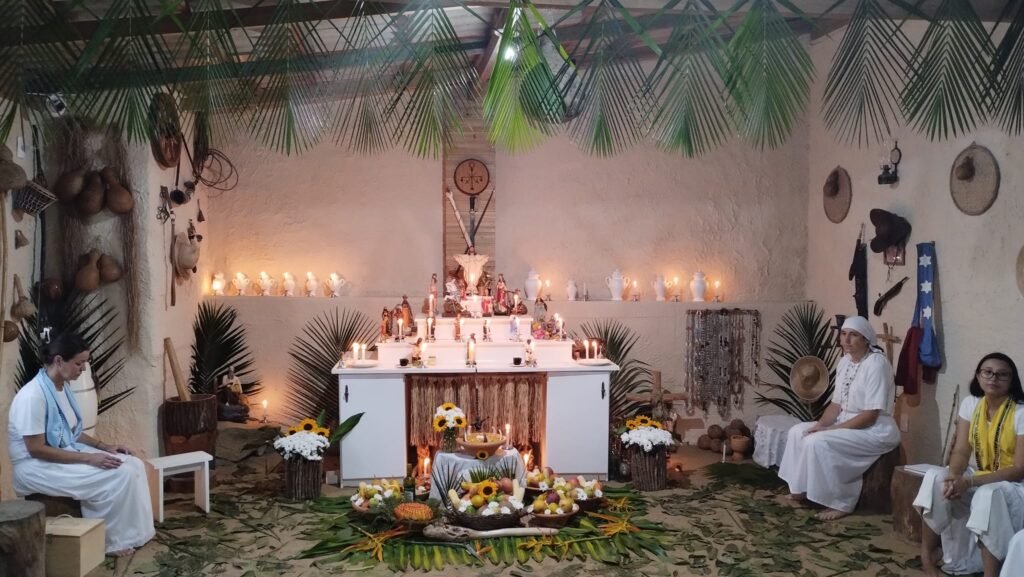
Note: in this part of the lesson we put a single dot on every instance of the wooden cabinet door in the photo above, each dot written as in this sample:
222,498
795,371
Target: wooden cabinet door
376,447
576,424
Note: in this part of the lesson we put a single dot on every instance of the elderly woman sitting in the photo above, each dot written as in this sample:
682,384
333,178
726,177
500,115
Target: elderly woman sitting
976,509
824,462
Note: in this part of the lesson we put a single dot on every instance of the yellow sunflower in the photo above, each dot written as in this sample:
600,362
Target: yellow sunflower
440,423
631,424
656,425
447,406
487,489
482,455
323,432
460,422
643,421
292,430
307,425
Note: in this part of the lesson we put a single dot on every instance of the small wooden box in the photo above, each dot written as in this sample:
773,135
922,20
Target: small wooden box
74,546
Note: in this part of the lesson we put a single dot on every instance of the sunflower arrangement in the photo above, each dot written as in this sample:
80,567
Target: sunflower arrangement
644,432
642,421
308,439
448,419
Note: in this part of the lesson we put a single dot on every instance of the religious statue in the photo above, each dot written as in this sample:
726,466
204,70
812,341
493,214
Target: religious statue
417,352
483,286
540,308
518,306
385,324
407,312
472,265
500,293
433,286
335,284
396,315
453,295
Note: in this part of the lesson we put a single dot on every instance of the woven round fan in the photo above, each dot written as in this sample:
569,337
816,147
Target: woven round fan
974,180
165,130
837,194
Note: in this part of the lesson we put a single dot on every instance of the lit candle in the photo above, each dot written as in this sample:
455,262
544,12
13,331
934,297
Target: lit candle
426,466
472,279
355,351
508,438
430,327
400,334
675,283
634,287
586,349
362,352
547,286
471,356
515,325
423,351
462,324
595,350
264,403
217,285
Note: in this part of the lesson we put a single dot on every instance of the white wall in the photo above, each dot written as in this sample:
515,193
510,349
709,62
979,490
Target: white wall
980,307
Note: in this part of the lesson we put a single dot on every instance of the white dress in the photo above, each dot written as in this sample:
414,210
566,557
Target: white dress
829,465
990,513
118,496
1013,565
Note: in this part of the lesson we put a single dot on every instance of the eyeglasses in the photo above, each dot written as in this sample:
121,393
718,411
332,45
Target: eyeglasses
995,376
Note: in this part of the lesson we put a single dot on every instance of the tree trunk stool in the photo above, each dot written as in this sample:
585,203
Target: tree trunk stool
57,506
906,520
875,495
196,462
23,538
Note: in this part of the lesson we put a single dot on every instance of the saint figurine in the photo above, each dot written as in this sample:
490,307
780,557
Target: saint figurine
433,286
406,312
518,306
472,263
385,324
499,290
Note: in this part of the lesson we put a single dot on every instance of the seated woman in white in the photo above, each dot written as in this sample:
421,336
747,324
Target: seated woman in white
824,462
51,455
980,506
1013,565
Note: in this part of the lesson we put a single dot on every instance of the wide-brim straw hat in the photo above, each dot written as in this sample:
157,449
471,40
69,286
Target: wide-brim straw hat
837,194
809,378
184,255
12,176
974,180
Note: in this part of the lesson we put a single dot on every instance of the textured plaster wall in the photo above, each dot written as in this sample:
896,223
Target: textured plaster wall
980,308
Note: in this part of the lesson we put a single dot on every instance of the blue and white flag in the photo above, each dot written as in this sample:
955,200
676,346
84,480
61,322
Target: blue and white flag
924,311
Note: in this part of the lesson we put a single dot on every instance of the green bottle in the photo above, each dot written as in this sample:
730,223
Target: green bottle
409,486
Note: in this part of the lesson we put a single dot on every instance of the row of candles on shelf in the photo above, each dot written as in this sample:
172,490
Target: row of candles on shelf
267,285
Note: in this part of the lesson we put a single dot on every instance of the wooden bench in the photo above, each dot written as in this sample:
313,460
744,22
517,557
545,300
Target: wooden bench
57,506
875,494
196,462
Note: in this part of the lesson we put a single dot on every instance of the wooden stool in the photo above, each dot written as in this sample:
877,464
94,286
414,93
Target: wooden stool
906,520
875,496
196,462
23,538
57,506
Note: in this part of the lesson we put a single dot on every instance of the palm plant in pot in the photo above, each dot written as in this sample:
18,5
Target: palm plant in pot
219,349
803,331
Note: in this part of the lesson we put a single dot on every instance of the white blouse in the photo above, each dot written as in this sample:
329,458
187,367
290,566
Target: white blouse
865,386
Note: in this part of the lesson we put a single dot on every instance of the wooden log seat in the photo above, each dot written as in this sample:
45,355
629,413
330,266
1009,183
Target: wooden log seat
875,496
905,518
57,506
22,538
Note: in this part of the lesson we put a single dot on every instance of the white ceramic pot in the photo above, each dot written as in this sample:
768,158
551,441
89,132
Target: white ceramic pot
659,287
84,390
616,284
698,286
532,285
571,291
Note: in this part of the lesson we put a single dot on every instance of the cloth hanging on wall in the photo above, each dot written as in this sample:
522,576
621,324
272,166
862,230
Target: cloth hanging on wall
723,356
514,398
924,311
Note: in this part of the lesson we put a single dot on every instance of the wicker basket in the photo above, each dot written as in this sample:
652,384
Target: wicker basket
553,521
33,199
302,479
488,523
591,504
650,470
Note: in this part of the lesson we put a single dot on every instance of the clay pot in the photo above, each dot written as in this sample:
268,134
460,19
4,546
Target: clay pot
119,198
90,202
87,278
51,289
740,443
11,331
110,271
70,185
716,432
704,442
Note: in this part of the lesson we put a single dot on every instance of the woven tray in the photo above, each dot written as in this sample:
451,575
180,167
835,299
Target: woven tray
489,523
553,521
591,504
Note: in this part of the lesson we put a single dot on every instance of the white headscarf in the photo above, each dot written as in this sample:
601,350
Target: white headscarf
862,326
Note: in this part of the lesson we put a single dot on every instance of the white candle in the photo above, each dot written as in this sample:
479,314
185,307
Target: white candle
561,326
430,327
462,324
355,351
595,350
362,352
426,466
586,349
515,326
431,306
400,333
423,351
264,403
508,438
472,352
472,279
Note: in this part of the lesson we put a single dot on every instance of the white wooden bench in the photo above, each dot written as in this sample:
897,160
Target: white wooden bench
159,468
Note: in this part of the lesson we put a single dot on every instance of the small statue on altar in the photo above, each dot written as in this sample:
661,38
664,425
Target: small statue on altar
518,306
235,405
335,284
385,325
407,318
417,353
396,315
472,263
483,286
433,286
241,283
500,293
453,295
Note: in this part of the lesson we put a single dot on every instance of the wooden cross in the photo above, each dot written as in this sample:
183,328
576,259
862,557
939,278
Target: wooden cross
657,394
889,339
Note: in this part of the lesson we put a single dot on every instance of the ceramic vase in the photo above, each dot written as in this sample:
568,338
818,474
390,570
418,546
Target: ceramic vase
698,286
532,285
571,291
616,284
659,288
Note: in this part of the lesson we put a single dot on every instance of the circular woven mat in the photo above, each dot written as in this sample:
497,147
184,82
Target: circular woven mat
1020,271
838,206
975,196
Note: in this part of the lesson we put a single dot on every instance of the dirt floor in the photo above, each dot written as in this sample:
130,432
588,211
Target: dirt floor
724,528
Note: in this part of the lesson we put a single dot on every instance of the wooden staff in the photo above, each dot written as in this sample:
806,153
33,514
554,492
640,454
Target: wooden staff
172,359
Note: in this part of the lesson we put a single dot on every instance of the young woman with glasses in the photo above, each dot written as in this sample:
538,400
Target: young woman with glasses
977,503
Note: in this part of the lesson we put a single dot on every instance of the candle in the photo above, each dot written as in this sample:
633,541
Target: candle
430,327
561,326
675,283
547,286
515,326
423,351
264,403
426,466
462,324
472,279
471,354
508,438
355,351
487,327
431,305
400,333
586,349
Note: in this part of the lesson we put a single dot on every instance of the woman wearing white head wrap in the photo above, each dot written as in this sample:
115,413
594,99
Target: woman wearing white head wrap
825,461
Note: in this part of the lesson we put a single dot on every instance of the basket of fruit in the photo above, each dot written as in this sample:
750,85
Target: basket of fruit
539,481
481,445
552,509
488,504
587,494
373,498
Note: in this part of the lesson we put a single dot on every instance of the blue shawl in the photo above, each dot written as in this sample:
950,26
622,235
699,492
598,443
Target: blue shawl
58,432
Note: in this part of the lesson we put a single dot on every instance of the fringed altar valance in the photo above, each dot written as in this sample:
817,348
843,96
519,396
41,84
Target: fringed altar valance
514,398
723,355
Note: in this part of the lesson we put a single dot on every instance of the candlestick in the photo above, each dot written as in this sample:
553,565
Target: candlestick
264,419
487,329
430,328
508,438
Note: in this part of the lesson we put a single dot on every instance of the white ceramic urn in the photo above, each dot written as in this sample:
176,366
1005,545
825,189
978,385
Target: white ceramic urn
571,290
698,286
532,285
659,287
616,284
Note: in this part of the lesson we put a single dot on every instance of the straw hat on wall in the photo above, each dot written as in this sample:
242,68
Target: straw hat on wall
974,180
809,378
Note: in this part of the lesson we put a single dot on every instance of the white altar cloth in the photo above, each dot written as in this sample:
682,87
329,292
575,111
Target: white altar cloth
770,438
462,463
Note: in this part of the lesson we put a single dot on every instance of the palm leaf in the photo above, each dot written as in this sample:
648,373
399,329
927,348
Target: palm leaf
288,113
608,98
436,82
220,345
361,123
522,102
312,387
862,90
946,94
769,76
691,116
633,376
803,331
1008,75
95,320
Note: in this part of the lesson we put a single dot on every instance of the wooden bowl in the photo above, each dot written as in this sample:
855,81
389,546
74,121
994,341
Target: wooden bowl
553,521
475,446
591,504
488,523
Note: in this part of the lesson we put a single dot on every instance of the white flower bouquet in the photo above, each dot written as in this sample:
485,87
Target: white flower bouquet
302,445
646,434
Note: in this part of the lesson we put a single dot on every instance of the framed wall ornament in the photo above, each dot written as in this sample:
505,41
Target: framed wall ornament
471,177
837,194
974,180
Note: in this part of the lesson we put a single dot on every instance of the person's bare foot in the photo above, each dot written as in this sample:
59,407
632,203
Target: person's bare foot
796,498
930,564
831,515
122,553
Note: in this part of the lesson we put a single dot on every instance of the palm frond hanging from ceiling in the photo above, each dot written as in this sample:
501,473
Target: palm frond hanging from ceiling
360,121
692,116
121,67
208,77
608,101
433,84
522,104
862,91
287,110
770,74
1007,105
946,94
